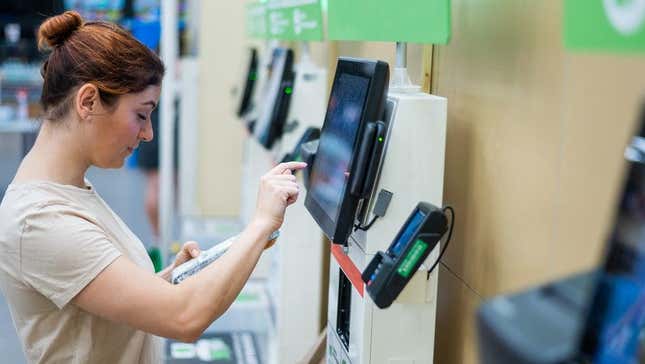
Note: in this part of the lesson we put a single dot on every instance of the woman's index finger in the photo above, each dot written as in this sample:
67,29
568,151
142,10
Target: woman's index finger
288,166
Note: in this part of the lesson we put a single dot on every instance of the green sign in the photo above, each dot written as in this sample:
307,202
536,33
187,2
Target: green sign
411,259
256,20
615,25
295,20
418,21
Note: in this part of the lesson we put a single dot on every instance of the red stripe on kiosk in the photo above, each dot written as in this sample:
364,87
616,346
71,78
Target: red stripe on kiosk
348,268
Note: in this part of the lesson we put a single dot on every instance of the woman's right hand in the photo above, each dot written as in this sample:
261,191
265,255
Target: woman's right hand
278,189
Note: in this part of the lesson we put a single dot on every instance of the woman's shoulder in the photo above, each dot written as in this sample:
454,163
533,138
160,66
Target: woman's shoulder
42,217
35,199
23,204
32,195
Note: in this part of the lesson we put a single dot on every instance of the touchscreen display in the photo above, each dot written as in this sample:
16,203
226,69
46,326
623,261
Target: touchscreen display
406,235
330,175
614,332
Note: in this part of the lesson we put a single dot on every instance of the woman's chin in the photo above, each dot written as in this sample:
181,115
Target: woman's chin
115,164
120,163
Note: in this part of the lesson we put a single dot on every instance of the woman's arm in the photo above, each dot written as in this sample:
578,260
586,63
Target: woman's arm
126,293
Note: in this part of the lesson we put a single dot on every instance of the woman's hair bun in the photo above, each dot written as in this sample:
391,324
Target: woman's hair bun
55,30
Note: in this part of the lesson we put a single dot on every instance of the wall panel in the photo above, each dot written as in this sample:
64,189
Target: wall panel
222,42
534,153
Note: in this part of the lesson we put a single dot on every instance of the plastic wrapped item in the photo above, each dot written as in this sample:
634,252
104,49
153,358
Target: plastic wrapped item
207,257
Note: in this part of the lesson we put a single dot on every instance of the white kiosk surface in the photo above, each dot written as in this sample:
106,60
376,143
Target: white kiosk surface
308,103
412,169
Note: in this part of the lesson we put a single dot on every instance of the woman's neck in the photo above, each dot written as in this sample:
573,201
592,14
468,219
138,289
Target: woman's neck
57,156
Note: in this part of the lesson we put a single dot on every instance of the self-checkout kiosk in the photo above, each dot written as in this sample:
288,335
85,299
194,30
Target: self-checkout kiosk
295,283
264,122
286,111
254,159
376,191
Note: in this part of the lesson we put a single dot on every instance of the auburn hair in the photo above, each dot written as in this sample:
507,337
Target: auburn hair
100,53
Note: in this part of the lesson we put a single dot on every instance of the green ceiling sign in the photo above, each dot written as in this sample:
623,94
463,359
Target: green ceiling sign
256,20
295,20
612,25
417,21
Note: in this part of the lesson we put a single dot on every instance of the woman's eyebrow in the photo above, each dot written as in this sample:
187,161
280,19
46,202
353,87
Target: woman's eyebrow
152,103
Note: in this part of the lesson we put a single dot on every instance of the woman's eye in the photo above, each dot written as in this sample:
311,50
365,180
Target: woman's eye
141,117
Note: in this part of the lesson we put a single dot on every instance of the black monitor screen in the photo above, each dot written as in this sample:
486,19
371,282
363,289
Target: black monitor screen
356,102
329,179
273,112
615,331
248,83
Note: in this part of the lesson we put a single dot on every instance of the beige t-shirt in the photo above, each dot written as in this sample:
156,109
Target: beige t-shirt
54,240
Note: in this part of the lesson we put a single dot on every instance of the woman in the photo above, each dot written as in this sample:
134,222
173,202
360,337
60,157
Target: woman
79,284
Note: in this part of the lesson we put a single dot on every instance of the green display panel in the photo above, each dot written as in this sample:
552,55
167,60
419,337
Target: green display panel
295,20
417,21
256,20
412,258
609,25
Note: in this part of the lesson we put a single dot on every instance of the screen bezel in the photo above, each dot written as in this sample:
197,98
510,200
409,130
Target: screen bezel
277,101
377,72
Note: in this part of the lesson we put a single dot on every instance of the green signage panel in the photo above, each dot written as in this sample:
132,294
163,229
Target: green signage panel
295,20
417,21
613,25
256,20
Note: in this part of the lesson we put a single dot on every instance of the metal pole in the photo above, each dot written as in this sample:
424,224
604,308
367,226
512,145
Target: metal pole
401,55
169,47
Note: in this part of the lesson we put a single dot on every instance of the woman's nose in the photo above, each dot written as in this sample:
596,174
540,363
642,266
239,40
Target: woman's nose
147,133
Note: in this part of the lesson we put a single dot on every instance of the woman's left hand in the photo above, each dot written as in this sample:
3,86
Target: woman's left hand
189,250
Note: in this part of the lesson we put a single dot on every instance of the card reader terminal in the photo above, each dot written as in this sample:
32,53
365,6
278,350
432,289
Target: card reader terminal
389,272
206,257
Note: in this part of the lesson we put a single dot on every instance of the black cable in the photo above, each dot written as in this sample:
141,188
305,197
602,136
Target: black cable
380,207
369,225
452,225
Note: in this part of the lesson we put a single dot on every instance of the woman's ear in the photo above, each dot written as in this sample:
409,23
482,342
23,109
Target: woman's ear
87,100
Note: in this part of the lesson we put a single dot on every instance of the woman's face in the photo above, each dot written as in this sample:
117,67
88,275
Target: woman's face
118,132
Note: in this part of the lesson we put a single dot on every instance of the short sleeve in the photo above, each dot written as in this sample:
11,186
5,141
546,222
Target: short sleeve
62,250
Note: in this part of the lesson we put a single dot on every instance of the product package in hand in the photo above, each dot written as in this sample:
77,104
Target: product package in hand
206,257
